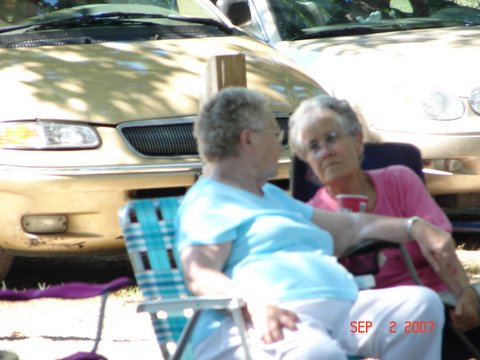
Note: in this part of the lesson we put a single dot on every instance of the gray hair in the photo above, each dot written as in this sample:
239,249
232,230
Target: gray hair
224,117
308,112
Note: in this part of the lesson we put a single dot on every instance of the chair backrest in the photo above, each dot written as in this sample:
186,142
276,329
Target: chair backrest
149,232
148,228
304,183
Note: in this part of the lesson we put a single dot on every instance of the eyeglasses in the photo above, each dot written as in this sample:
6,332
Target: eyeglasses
329,141
279,134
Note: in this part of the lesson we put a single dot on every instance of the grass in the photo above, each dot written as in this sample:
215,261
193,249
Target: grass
471,262
473,271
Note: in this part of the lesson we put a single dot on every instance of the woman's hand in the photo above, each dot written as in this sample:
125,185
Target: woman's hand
269,320
465,316
437,246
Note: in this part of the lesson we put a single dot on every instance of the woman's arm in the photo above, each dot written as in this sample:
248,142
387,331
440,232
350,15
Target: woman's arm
436,245
465,316
410,197
349,229
202,266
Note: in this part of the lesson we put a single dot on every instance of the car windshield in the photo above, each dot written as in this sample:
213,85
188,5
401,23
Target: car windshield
301,19
39,15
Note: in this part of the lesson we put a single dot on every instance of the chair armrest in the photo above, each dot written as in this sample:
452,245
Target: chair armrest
194,303
367,246
197,304
362,258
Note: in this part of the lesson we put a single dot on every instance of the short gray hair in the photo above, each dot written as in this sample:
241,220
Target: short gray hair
224,117
308,112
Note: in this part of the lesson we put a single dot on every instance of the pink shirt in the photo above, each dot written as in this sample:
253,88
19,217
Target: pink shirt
400,192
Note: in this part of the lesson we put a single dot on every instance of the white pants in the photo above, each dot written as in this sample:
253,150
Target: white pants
403,322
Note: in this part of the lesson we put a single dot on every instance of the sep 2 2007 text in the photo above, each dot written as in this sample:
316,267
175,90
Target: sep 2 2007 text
408,327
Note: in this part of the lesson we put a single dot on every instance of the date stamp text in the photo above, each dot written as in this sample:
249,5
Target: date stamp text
407,327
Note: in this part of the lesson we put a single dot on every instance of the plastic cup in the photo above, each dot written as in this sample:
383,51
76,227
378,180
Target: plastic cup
352,202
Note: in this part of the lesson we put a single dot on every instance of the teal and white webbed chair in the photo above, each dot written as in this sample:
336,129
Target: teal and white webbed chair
149,234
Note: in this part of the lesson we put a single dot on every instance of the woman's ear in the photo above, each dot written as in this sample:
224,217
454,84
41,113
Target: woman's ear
246,143
360,146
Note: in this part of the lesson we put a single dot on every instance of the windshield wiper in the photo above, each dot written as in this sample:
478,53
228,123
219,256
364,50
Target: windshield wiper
349,30
113,18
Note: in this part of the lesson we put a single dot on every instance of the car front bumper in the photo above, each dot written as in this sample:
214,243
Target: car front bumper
88,198
451,162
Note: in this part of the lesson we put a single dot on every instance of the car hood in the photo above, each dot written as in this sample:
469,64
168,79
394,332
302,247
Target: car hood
379,70
109,83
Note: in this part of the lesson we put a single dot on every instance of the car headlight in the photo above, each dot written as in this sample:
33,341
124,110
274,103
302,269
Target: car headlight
438,104
47,135
474,100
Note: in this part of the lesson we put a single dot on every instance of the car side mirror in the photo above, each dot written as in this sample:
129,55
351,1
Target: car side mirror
237,11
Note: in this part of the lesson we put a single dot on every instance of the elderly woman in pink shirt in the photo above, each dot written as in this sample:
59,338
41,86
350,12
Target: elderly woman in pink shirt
325,132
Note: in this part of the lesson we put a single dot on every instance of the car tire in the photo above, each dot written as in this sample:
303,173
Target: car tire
6,261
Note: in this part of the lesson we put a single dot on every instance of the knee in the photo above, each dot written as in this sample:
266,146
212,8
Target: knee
428,304
429,298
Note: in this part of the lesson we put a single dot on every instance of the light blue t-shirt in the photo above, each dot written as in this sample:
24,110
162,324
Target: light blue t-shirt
275,246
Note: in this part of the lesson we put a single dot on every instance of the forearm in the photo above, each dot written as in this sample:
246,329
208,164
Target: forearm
379,227
350,229
436,244
455,278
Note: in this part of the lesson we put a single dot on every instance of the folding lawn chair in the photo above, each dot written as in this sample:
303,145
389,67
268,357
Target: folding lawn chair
149,236
73,290
361,259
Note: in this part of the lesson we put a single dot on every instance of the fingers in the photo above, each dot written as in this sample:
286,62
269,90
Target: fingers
273,334
289,320
281,319
464,323
464,317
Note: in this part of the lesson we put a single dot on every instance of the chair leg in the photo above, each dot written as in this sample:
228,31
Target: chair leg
182,342
242,330
101,318
238,320
410,266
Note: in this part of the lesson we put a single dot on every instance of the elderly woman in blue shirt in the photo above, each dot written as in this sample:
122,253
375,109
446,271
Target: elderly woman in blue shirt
240,235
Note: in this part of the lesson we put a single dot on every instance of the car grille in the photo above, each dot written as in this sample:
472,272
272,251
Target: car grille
165,140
